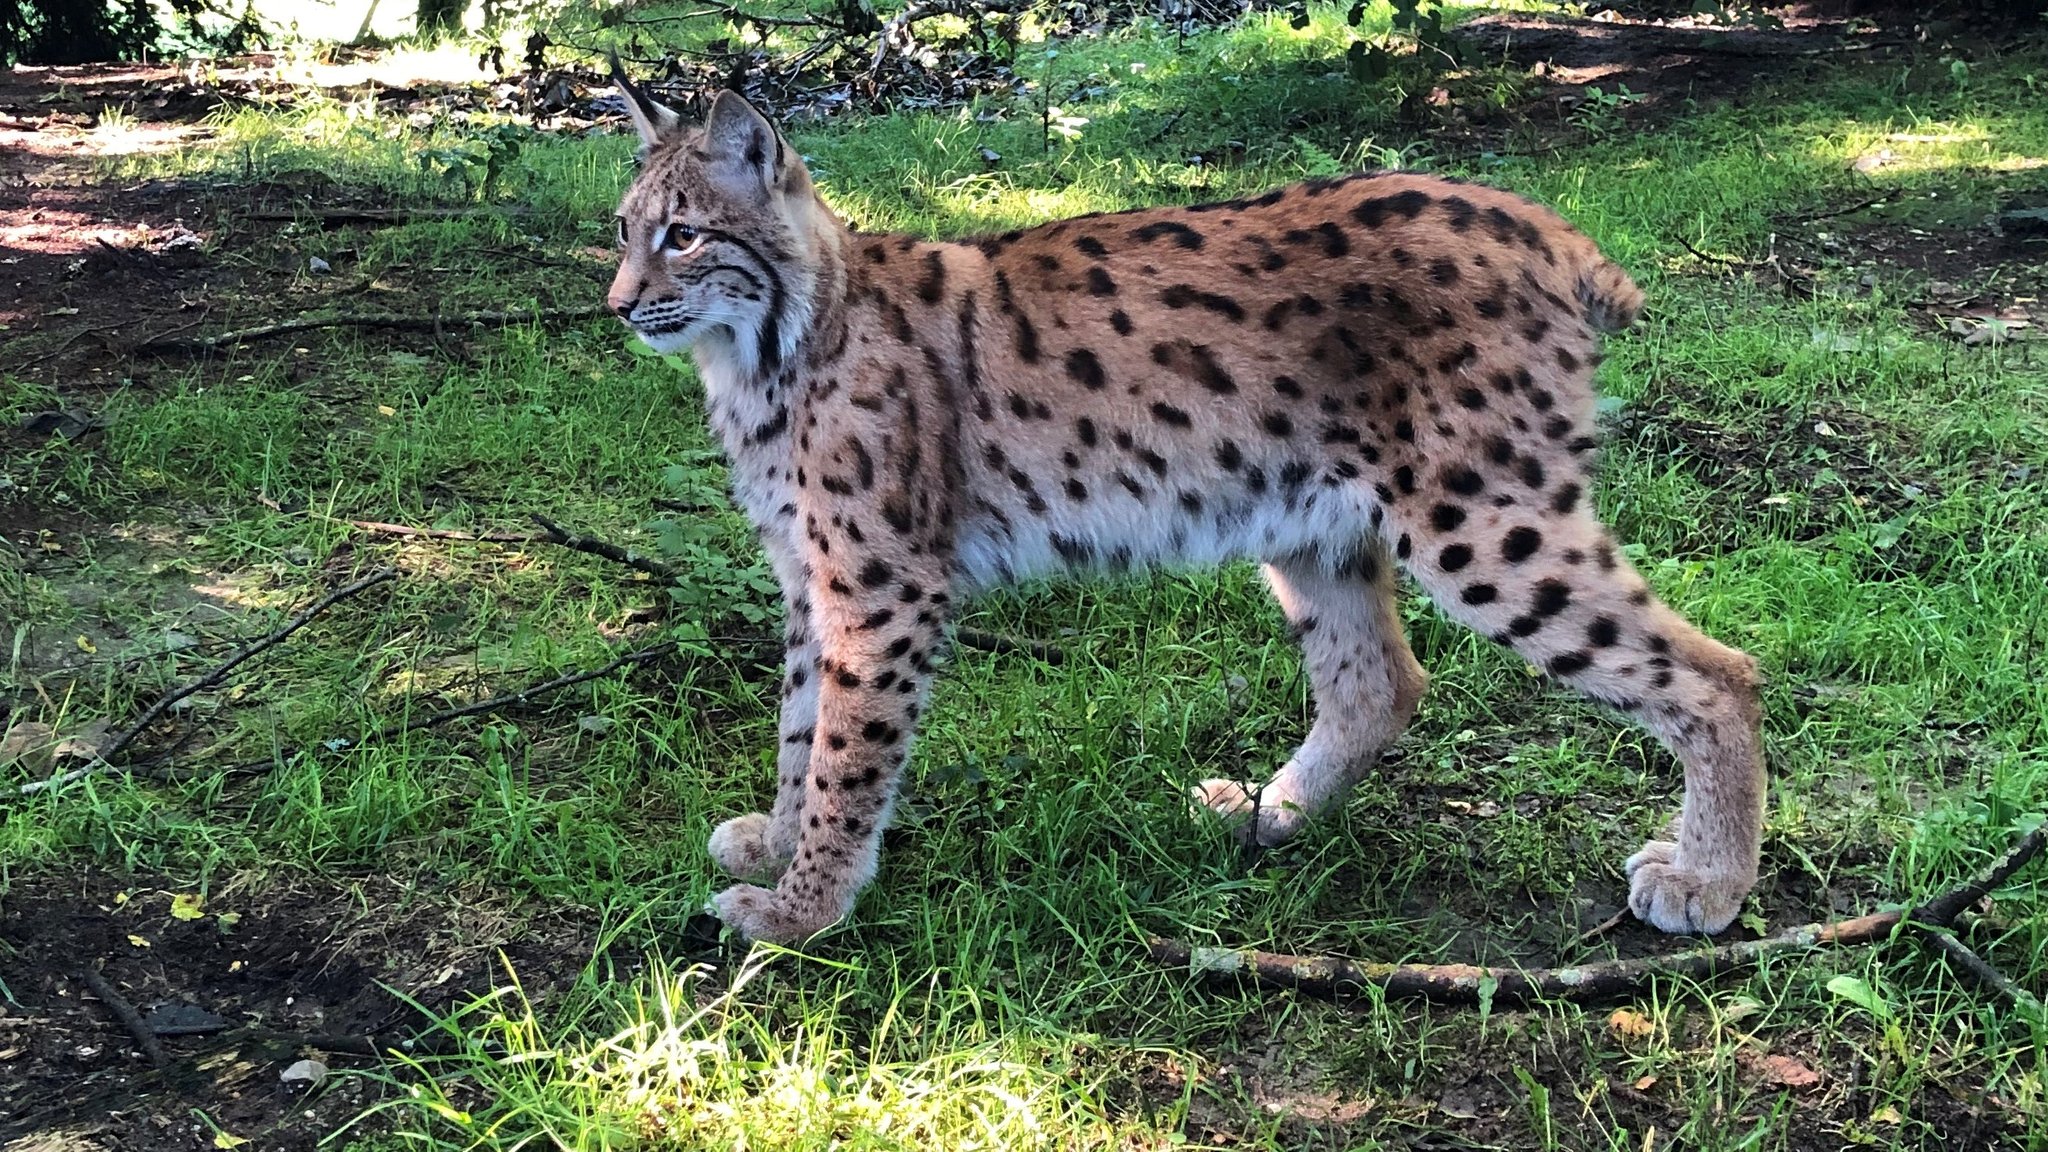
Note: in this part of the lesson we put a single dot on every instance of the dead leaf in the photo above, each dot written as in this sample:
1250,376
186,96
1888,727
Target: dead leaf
1645,1083
188,906
1627,1025
28,744
1888,1116
1788,1072
86,743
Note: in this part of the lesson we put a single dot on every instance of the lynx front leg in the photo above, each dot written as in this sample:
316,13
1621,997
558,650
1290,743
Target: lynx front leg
758,846
878,630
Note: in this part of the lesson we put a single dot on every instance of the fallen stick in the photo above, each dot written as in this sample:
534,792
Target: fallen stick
1979,969
335,217
1730,261
413,322
971,637
1001,644
1467,984
105,758
125,1013
436,719
383,529
576,542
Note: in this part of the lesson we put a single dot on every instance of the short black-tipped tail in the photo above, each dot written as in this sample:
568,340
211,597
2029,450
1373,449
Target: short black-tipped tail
1612,300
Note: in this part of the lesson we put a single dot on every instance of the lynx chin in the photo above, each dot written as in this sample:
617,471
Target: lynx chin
1339,379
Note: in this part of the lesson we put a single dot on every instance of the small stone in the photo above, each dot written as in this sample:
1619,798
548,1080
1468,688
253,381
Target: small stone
305,1075
319,267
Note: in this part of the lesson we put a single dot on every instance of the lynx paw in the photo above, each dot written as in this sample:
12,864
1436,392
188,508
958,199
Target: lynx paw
741,847
1673,898
1275,824
765,915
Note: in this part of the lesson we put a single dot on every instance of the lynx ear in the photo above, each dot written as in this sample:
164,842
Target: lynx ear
746,153
657,123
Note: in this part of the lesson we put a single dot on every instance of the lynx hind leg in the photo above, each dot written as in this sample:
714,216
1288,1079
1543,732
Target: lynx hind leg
1365,681
1548,582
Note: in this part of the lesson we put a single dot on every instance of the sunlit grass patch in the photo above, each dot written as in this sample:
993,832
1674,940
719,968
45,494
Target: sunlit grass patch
673,1060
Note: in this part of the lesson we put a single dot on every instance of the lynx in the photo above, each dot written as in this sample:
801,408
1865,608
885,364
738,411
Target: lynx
1337,379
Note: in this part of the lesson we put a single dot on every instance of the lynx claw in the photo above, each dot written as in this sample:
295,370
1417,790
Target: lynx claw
1673,898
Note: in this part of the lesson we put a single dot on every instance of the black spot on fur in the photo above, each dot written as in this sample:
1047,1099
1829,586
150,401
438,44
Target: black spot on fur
1084,367
932,285
1377,210
1167,414
1477,594
1568,664
1099,283
1520,544
1182,235
1454,557
1185,295
1446,517
1464,481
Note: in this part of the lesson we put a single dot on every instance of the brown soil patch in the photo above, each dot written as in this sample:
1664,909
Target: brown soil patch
296,969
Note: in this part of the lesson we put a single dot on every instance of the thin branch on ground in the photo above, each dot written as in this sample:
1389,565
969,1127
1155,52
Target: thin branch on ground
1729,261
106,757
383,529
406,321
1002,644
1467,984
335,217
971,637
1981,970
576,542
69,342
125,1013
436,719
1831,213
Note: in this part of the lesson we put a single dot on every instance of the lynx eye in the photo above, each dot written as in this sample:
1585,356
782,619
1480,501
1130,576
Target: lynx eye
621,222
678,235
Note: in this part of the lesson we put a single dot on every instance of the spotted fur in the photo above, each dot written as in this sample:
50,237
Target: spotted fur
1337,379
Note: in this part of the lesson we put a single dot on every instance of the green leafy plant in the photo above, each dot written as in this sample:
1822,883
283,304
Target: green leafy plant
719,572
478,162
1599,112
1415,39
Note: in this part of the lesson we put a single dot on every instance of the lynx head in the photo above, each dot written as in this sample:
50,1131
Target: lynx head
719,236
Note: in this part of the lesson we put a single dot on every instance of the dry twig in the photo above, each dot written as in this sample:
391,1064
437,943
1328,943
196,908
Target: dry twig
436,719
336,217
577,542
125,1013
106,757
383,529
405,321
1466,983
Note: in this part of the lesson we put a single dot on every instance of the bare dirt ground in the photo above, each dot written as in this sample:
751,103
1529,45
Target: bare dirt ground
309,968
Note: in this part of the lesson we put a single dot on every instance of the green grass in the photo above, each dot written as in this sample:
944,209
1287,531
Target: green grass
1891,573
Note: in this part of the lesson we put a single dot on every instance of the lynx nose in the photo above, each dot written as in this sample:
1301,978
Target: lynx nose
623,306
